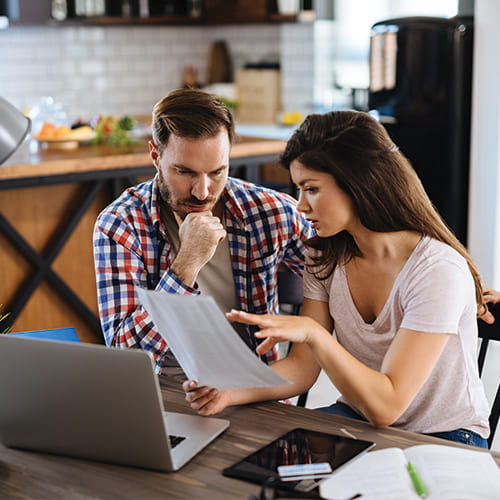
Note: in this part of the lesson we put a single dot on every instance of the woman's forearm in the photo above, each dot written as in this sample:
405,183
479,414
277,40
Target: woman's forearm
299,367
382,396
366,389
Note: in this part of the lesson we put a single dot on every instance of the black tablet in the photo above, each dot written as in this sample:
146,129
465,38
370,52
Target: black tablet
298,460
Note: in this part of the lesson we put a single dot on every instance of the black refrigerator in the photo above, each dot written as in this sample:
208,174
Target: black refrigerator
420,87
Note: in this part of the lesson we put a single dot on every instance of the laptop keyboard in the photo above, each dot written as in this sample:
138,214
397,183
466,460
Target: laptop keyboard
175,440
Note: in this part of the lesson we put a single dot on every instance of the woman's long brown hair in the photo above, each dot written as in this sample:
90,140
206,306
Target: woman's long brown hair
387,194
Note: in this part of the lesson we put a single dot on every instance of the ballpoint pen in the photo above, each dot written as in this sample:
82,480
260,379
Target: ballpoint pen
417,482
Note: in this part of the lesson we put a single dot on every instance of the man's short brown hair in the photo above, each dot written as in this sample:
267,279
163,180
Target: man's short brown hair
190,113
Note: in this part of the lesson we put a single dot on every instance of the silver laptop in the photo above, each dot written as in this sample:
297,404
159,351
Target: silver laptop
90,401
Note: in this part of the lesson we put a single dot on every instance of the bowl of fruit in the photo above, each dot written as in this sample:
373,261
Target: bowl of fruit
63,137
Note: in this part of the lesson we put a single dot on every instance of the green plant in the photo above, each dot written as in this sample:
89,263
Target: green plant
113,131
230,103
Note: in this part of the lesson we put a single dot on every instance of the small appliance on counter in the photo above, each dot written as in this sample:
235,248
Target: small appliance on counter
259,93
14,127
420,86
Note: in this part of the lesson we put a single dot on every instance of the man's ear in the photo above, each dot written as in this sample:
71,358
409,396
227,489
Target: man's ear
155,155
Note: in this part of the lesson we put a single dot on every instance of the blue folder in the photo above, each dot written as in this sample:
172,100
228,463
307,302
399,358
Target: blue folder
60,334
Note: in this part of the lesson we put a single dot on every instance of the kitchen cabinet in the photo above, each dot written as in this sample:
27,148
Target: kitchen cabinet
194,12
143,12
242,11
26,11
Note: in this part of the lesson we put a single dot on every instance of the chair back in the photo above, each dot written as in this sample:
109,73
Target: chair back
290,292
490,333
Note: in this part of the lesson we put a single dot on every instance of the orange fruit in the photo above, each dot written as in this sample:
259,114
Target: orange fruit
61,131
48,130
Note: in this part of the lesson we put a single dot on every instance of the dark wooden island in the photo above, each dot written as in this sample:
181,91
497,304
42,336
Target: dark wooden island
49,201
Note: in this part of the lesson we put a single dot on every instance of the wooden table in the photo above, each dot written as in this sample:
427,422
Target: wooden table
49,202
29,475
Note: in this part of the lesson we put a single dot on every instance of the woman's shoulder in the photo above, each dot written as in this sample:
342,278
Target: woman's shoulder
432,250
319,277
437,274
434,256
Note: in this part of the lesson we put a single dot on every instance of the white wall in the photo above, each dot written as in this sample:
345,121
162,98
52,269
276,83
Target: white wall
484,206
484,203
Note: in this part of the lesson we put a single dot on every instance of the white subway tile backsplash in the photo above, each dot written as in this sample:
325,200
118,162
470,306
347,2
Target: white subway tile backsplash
103,50
94,35
141,35
67,34
76,50
92,67
117,34
19,53
101,83
127,69
115,65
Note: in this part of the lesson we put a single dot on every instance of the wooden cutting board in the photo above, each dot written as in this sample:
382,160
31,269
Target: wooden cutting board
219,68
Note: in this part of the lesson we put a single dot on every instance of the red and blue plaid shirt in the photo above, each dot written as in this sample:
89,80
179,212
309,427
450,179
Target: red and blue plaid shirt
132,249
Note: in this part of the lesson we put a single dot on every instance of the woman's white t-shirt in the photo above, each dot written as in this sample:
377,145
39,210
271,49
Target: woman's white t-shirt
434,292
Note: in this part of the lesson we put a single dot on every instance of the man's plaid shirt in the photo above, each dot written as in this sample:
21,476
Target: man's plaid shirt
132,249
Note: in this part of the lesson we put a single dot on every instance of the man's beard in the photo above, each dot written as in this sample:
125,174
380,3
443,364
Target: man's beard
180,206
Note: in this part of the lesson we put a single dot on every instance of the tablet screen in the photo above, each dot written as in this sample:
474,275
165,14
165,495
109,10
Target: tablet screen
298,460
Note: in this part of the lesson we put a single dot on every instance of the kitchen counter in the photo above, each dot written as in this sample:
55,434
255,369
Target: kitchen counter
34,161
266,130
49,202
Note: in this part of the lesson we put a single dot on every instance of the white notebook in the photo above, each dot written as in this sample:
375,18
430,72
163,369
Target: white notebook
447,473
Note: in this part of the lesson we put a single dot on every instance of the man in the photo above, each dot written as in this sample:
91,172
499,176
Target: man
192,230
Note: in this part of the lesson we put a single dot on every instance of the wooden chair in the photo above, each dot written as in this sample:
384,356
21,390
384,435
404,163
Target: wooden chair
290,293
489,333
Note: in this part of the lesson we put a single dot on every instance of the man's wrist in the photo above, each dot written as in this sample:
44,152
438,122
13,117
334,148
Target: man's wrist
172,283
185,271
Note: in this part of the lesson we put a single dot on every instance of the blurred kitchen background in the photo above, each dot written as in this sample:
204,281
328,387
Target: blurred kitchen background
107,66
278,60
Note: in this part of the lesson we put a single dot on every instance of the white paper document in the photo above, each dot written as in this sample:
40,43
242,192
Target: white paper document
204,343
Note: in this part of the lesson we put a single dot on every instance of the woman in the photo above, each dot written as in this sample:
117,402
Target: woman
387,273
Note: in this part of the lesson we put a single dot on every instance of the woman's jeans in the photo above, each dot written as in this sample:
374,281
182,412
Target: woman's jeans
460,435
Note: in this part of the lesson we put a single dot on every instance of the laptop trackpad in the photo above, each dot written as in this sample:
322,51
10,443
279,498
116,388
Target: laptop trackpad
192,432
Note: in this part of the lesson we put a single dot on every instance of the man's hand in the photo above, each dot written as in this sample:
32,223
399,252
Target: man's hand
490,296
199,235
